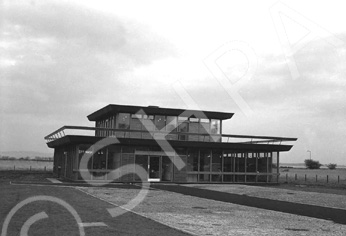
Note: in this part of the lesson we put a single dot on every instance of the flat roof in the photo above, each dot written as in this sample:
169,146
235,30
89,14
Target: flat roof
236,147
112,109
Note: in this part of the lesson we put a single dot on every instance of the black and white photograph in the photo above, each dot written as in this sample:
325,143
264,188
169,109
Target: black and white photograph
172,117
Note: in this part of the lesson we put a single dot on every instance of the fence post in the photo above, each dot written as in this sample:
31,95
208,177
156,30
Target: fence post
316,178
295,177
14,168
44,168
286,177
305,177
327,178
338,178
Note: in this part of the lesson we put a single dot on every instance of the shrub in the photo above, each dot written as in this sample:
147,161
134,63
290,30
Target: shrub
311,164
331,166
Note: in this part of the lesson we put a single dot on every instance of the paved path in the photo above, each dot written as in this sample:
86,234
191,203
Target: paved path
60,221
320,212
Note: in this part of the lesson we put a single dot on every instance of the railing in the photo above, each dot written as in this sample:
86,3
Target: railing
157,134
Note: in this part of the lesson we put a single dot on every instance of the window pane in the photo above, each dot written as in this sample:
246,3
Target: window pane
171,123
167,169
193,127
123,121
181,151
192,160
136,116
262,163
204,127
99,161
183,127
204,178
251,162
114,159
216,178
215,127
216,161
135,124
196,120
204,161
160,122
83,151
141,160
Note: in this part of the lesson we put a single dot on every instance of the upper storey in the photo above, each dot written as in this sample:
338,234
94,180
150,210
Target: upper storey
153,118
113,109
137,123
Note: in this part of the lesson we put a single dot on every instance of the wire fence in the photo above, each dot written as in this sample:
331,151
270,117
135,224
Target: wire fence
19,165
312,178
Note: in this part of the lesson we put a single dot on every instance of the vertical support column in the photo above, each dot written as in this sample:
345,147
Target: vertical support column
267,167
245,165
257,156
65,156
75,162
234,155
221,129
278,167
222,164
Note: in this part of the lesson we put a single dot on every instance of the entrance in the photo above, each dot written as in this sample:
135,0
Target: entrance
154,168
159,168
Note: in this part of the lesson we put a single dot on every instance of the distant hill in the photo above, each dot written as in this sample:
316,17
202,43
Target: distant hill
30,154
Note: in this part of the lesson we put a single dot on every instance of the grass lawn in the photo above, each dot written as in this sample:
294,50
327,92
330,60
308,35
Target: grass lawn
25,165
10,175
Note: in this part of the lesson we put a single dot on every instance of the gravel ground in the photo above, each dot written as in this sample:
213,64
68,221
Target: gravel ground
311,198
208,217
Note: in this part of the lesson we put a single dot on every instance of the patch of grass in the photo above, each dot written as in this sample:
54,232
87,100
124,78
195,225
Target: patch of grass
325,177
36,176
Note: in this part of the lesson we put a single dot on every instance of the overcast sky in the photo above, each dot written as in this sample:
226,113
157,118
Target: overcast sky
62,60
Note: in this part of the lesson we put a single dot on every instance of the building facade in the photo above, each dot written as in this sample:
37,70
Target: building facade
170,145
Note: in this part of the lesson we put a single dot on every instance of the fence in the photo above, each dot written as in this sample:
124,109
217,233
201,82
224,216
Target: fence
30,168
312,178
20,165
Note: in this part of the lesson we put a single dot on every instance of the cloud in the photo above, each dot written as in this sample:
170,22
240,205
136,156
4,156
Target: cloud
319,89
58,57
60,61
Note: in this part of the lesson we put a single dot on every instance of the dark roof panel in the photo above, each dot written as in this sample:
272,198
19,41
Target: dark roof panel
237,147
112,109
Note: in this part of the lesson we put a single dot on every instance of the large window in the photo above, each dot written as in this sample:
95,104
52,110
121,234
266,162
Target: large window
215,127
135,124
204,160
216,161
171,123
114,157
228,161
123,121
160,122
204,165
204,128
183,127
167,168
171,126
193,128
192,160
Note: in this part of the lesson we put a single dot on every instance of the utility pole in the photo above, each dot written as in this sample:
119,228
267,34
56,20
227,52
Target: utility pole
310,153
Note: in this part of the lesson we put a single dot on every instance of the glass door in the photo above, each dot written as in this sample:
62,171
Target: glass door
142,161
154,168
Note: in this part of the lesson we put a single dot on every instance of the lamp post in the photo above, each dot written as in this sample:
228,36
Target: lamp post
310,153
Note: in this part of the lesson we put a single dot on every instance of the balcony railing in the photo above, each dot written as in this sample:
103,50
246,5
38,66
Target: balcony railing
157,134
